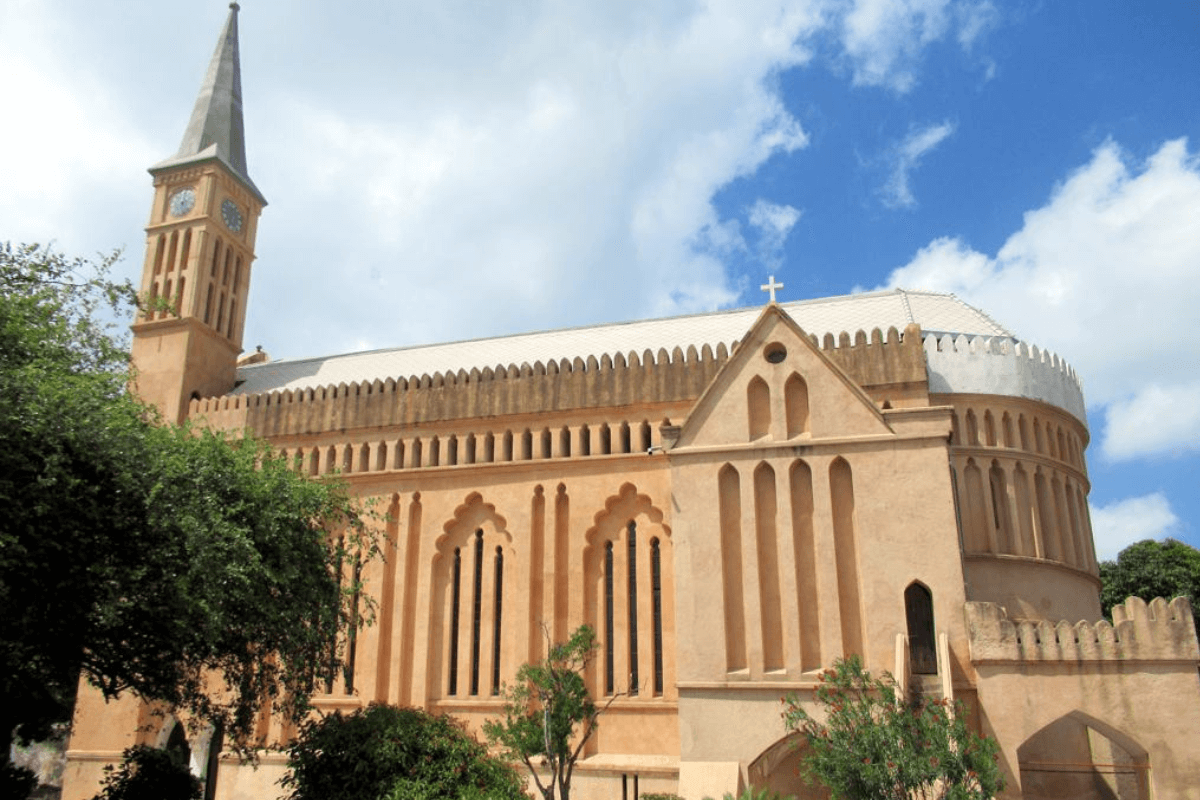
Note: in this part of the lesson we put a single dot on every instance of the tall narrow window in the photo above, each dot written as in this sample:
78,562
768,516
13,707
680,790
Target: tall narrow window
608,618
454,609
922,647
331,671
496,607
631,570
656,589
352,634
216,259
476,612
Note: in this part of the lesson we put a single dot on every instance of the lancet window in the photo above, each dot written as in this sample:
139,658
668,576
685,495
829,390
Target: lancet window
628,576
475,611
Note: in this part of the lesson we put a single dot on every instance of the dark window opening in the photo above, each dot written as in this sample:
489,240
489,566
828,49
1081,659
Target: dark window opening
608,618
454,609
476,612
631,568
656,589
922,647
499,578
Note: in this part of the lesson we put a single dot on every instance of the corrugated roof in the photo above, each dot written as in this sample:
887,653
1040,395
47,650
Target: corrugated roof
934,312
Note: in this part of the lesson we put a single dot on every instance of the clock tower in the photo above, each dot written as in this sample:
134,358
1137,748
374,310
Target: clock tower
199,248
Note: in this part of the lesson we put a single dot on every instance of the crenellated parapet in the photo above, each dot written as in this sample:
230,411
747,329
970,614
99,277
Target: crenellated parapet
880,358
1157,631
556,386
540,388
1000,365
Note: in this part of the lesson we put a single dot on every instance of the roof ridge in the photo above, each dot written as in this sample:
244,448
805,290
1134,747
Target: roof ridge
606,325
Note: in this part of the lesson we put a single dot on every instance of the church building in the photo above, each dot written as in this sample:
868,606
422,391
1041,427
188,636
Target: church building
732,500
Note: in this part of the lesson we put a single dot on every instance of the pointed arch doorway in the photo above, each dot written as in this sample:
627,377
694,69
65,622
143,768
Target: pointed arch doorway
1078,757
778,769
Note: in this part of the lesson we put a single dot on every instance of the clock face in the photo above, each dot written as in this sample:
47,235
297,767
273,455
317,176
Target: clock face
183,201
232,216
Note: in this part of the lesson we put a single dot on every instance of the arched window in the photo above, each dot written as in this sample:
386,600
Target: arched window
627,598
466,633
922,645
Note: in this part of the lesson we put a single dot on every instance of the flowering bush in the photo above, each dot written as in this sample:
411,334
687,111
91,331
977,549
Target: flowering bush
875,745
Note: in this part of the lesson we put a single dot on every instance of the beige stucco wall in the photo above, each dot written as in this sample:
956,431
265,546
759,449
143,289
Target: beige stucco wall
847,486
1154,706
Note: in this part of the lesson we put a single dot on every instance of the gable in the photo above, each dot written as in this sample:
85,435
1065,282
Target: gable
778,386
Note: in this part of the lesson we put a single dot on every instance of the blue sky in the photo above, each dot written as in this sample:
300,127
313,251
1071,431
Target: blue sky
453,169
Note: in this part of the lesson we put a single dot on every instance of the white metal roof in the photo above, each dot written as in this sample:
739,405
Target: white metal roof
934,312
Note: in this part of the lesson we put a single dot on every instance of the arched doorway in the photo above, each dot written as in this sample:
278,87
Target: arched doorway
778,769
1078,757
177,745
922,646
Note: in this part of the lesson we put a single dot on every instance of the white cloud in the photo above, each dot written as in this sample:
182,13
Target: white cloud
1106,273
65,142
582,171
884,38
1155,420
1124,522
450,171
906,156
974,19
773,222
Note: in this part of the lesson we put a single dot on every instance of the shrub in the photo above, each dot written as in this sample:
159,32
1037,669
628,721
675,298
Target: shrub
148,773
871,744
388,753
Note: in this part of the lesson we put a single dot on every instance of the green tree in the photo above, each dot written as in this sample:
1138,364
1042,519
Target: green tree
388,753
549,713
148,558
875,745
1151,569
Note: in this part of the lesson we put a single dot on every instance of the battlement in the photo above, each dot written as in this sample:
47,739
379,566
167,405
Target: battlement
565,385
1000,365
1140,632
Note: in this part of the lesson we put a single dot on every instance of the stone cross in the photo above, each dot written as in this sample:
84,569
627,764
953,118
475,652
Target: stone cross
771,286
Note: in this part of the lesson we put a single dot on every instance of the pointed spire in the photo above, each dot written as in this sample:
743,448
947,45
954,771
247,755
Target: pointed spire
215,129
